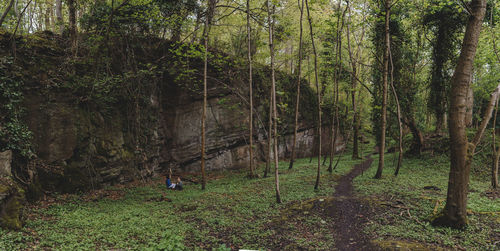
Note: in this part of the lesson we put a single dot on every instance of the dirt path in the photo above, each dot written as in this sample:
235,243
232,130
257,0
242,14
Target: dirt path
350,213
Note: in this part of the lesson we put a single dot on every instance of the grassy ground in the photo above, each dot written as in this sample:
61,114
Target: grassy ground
237,212
405,208
233,212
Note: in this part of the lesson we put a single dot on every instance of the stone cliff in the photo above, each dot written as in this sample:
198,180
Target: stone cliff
80,144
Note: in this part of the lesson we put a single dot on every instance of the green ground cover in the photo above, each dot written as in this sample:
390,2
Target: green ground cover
233,212
406,207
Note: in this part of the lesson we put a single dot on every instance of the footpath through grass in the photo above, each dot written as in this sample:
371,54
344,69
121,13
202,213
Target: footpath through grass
233,212
407,203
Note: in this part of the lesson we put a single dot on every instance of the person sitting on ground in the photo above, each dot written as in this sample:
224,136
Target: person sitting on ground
170,185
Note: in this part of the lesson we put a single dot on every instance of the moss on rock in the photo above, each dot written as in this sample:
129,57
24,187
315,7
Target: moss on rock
11,204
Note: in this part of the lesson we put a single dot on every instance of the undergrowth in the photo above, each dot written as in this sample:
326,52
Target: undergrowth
233,212
408,202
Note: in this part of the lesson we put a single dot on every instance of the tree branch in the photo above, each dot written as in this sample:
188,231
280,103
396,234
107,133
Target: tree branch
487,117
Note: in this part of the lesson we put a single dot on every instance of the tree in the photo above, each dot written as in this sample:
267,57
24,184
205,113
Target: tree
270,22
59,16
454,213
250,87
354,79
447,22
72,22
297,99
335,123
381,146
318,90
496,153
9,6
208,20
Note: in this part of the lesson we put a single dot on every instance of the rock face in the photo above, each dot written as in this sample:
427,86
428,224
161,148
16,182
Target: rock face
11,196
5,161
91,129
79,149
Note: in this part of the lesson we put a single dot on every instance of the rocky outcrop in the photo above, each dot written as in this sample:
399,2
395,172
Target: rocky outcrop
100,121
5,161
79,149
11,196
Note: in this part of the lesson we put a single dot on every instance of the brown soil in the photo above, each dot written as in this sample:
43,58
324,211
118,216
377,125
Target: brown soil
350,212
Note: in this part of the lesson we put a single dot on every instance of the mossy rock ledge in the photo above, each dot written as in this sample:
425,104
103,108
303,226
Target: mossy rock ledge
12,200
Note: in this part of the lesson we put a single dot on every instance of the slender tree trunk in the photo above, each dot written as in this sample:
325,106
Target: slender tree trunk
496,153
273,93
297,103
418,138
318,90
338,59
72,23
208,19
461,151
204,111
400,124
355,145
2,18
269,137
47,17
381,148
59,16
250,87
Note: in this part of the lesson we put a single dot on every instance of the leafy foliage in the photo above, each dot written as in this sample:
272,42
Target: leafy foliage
14,133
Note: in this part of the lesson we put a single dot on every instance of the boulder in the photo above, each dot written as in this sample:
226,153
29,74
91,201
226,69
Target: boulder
11,204
5,161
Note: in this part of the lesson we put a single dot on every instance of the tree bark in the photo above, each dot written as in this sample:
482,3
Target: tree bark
418,138
273,93
208,20
297,103
269,137
381,148
355,139
72,22
6,11
59,16
496,153
338,59
400,124
461,151
250,88
318,90
469,106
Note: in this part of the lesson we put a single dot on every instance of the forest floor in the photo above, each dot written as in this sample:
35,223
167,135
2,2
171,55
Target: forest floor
350,211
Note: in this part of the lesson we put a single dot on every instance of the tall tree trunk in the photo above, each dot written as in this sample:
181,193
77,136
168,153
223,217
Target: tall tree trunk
59,16
461,151
469,106
269,137
273,93
250,88
381,148
355,145
400,124
338,60
318,90
204,110
72,23
496,153
2,18
208,20
418,138
297,99
47,17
